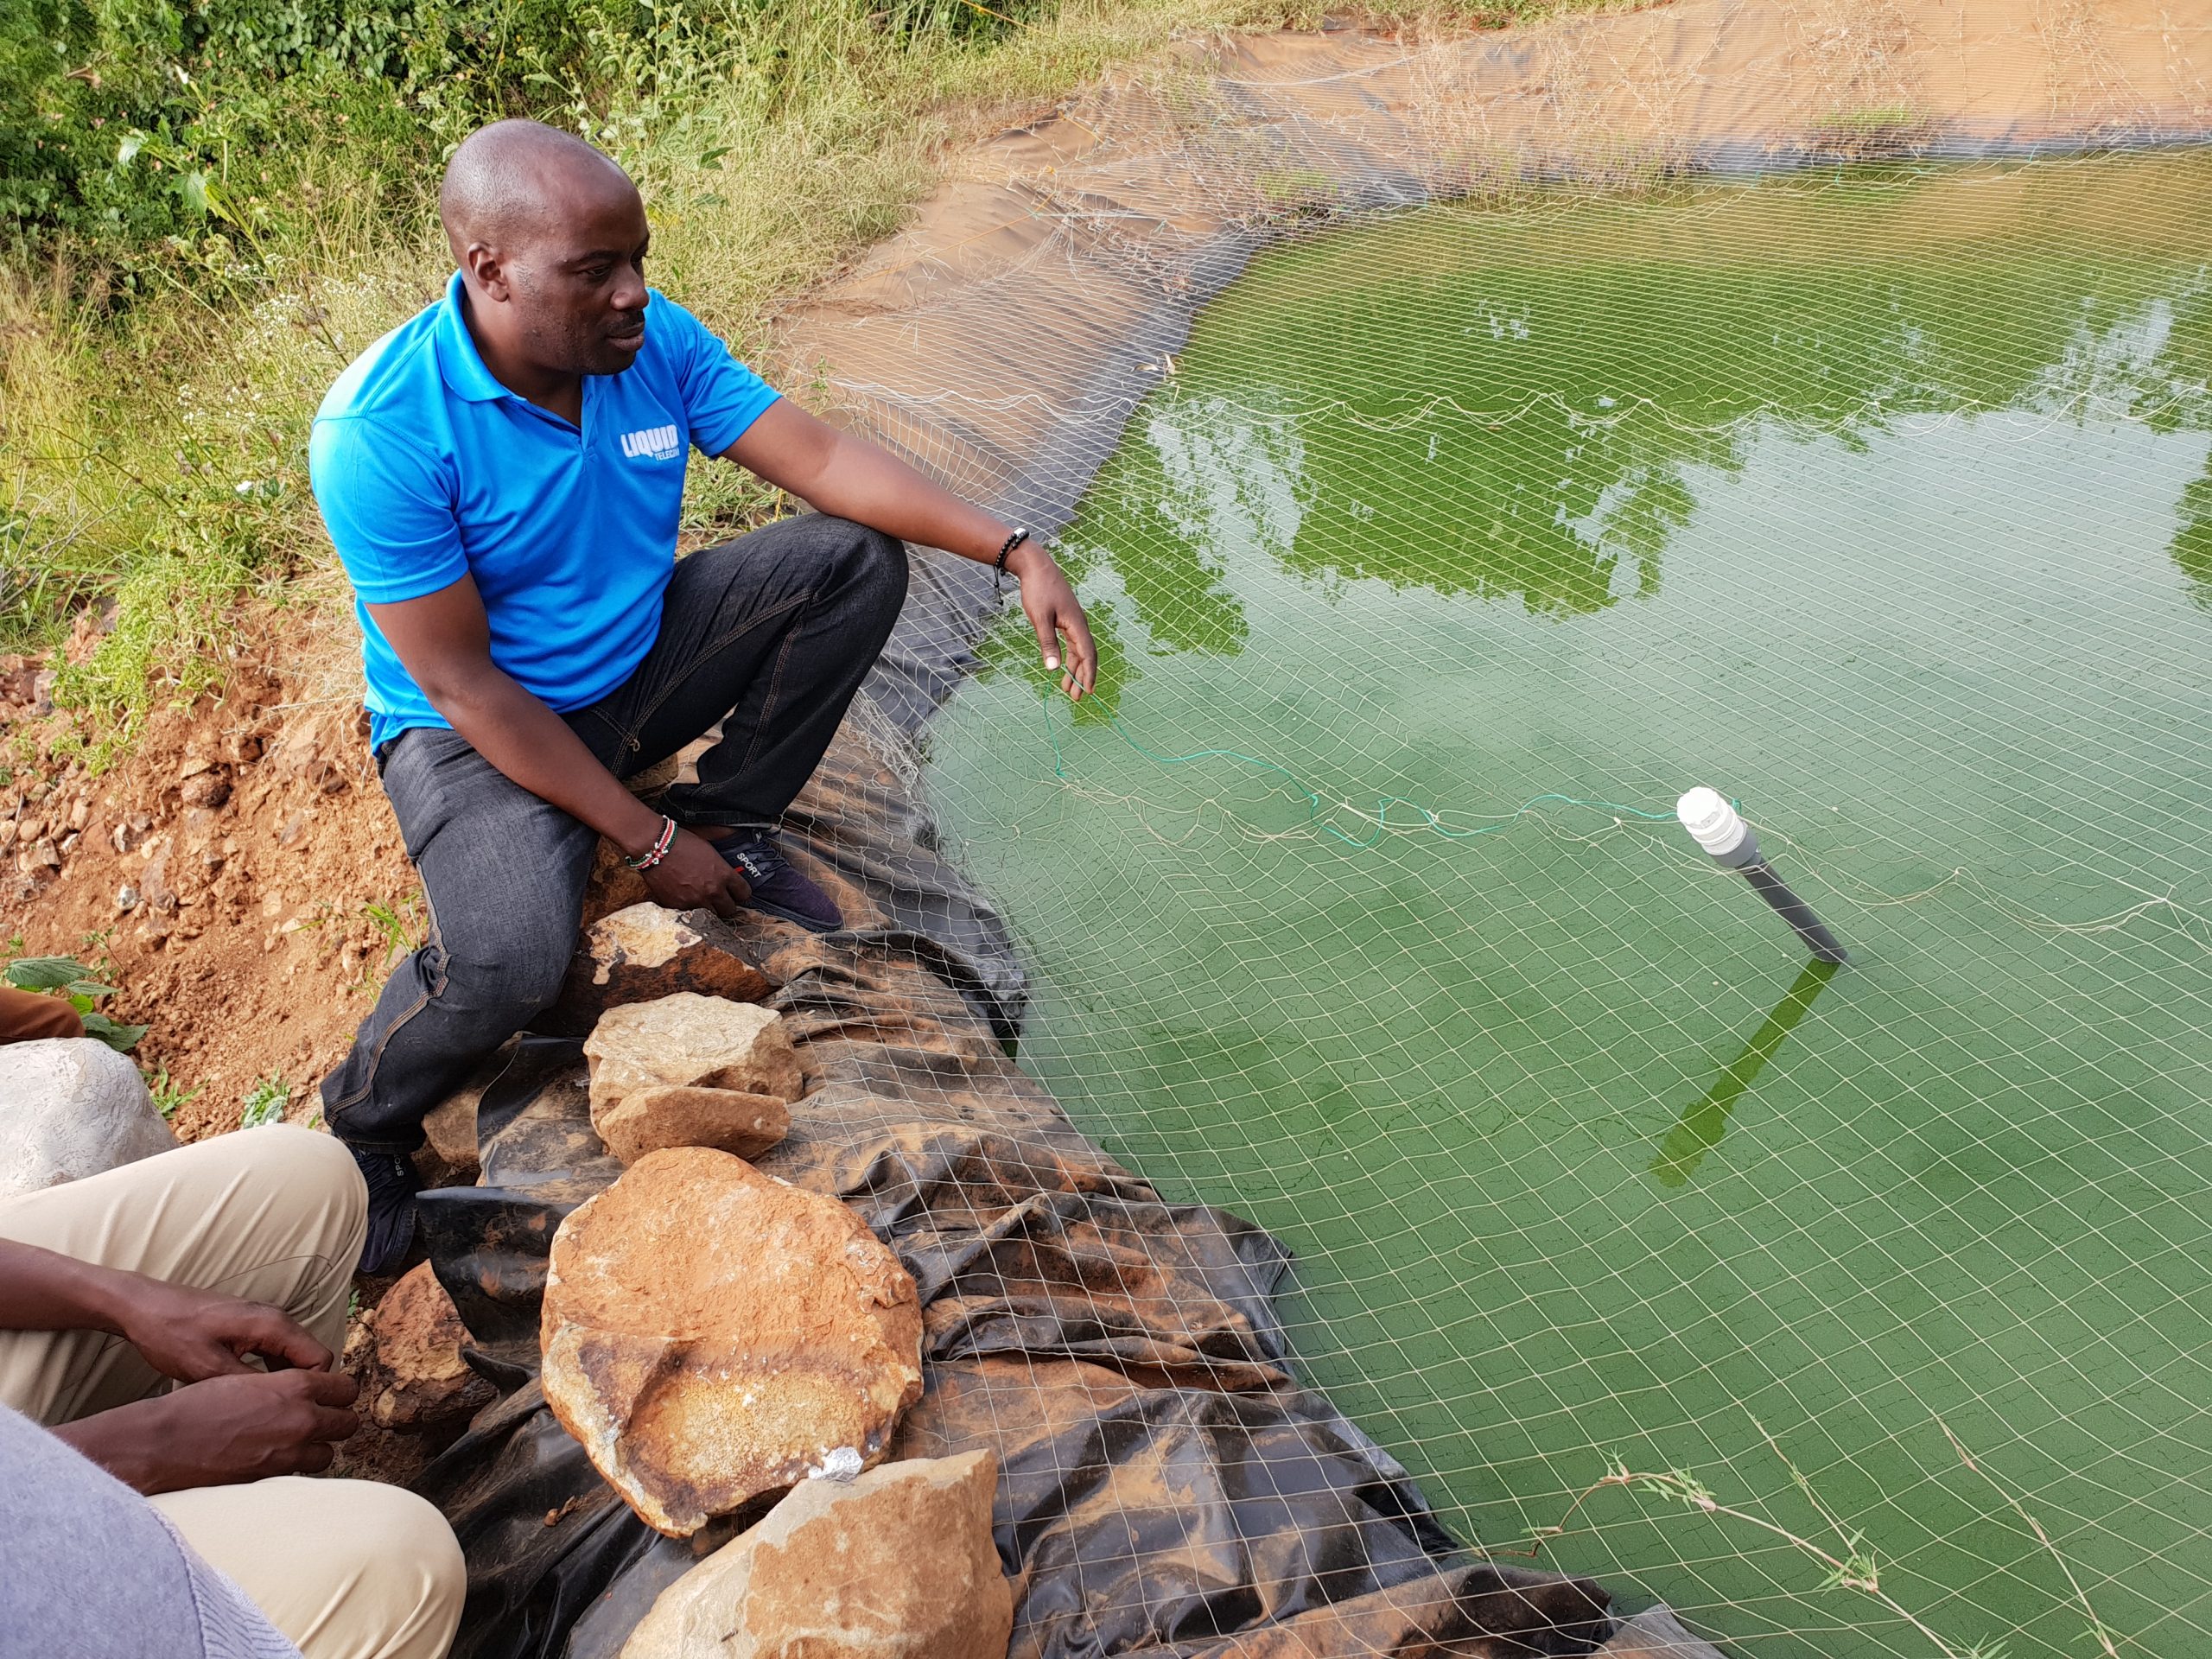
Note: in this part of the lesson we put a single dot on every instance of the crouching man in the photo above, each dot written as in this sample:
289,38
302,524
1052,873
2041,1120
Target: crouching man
176,1323
502,477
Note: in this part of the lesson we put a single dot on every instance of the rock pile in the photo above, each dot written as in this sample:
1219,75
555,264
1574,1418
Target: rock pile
711,1333
898,1564
691,1071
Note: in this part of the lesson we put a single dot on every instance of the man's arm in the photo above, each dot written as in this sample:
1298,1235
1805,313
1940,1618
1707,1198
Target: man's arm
836,472
230,1423
182,1333
445,643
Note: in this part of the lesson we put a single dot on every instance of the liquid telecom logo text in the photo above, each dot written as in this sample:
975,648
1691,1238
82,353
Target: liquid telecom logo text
652,443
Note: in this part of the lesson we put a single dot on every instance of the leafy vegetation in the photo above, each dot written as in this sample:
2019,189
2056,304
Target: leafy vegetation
80,987
264,1102
167,1095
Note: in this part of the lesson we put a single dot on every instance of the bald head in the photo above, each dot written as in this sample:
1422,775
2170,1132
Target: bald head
522,177
550,238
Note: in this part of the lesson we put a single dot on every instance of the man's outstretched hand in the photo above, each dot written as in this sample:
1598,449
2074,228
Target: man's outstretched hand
248,1425
1063,630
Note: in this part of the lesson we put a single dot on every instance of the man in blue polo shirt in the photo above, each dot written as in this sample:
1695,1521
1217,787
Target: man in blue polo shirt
502,477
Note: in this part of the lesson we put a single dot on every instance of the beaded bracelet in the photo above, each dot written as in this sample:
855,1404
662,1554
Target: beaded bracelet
646,860
998,569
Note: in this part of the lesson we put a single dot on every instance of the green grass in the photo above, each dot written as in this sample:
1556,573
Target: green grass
155,395
167,1095
264,1102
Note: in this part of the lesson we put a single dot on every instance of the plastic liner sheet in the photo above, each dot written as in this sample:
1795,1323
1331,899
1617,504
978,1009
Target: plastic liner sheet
1165,1485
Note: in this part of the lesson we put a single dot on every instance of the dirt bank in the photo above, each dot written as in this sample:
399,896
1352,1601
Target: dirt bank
240,877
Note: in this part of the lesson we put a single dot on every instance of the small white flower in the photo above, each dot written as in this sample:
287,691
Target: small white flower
245,486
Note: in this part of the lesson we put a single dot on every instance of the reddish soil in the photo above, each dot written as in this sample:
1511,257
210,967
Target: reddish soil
222,876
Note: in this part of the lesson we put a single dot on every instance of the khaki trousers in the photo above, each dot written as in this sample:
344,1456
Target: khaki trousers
347,1569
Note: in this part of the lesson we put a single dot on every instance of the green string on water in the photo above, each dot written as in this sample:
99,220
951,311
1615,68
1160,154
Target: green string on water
1316,808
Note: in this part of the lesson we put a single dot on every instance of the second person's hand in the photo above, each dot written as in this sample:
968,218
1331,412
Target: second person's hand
1063,630
227,1429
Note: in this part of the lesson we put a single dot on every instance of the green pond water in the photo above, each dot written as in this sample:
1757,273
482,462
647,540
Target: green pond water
1880,502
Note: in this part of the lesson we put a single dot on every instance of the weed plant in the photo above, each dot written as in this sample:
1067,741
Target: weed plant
264,1102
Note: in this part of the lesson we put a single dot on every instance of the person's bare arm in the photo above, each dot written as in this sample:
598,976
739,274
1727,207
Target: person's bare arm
182,1333
230,1422
836,472
445,643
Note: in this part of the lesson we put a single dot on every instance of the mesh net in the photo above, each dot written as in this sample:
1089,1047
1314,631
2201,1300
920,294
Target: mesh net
1859,1311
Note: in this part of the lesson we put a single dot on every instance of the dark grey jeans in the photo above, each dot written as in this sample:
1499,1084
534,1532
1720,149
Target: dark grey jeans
771,634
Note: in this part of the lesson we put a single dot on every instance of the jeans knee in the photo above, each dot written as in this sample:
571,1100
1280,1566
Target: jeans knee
524,978
878,564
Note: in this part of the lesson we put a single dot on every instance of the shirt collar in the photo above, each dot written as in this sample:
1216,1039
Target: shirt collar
459,361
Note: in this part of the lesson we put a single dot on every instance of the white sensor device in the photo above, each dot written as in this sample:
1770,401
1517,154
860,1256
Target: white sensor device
1711,821
1720,829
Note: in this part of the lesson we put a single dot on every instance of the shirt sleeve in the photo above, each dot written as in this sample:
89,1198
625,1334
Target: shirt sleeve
389,511
721,397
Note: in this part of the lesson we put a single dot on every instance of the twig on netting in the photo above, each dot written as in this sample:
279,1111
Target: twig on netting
2097,1626
1856,1569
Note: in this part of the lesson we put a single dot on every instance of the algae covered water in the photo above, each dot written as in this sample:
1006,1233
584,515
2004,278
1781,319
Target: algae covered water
1450,550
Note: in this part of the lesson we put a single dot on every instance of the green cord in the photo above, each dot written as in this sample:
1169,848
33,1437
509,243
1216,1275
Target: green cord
1315,806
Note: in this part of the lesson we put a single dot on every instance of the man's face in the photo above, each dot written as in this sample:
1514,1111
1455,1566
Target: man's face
577,284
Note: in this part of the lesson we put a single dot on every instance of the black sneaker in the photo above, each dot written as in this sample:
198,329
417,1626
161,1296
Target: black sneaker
392,1187
777,889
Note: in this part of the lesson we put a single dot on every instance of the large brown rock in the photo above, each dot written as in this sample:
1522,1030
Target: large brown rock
898,1564
711,1333
685,1115
422,1380
643,952
689,1039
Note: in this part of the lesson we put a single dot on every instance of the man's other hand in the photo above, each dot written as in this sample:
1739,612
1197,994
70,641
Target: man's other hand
227,1429
691,874
1063,630
192,1335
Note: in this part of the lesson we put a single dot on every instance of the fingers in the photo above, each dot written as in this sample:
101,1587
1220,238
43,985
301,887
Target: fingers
327,1388
729,899
1081,676
1045,623
1086,649
325,1395
219,1359
1056,618
281,1340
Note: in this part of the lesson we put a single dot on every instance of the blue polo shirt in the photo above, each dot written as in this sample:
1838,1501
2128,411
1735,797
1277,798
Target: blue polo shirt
427,469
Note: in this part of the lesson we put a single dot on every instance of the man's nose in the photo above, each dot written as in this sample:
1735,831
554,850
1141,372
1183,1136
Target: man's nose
630,293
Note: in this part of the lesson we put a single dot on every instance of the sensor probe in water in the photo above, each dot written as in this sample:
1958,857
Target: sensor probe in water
1717,827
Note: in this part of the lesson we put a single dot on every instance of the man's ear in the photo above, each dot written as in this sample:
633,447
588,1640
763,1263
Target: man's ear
487,272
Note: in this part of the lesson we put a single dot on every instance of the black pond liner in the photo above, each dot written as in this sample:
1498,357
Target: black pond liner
1165,1483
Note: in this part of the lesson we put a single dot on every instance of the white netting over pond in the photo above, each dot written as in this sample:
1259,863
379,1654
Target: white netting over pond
1447,551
